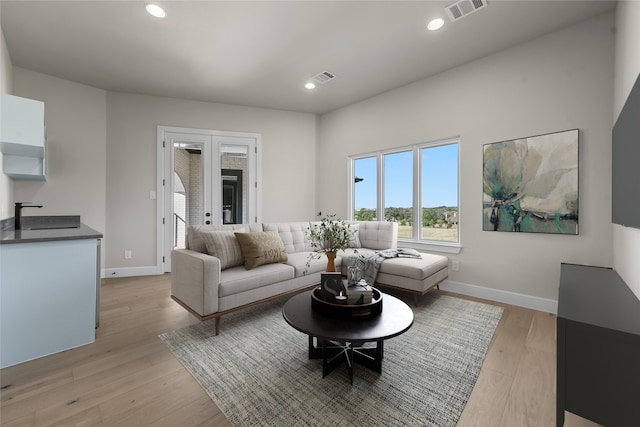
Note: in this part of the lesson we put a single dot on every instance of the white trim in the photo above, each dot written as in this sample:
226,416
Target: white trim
351,177
151,270
430,247
380,187
521,300
160,198
417,193
460,208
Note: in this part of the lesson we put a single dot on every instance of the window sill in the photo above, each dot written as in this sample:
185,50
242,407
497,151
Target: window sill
449,248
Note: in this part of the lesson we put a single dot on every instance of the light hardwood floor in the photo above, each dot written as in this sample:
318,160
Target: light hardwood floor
129,378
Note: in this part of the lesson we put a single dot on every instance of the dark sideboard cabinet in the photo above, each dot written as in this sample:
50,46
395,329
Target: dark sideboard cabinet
598,347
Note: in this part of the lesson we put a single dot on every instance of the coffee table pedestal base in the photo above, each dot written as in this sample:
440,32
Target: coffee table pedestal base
335,353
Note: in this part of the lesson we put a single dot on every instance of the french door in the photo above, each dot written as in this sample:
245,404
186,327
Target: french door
209,177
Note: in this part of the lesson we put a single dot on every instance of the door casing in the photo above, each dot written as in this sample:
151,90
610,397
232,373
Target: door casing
212,140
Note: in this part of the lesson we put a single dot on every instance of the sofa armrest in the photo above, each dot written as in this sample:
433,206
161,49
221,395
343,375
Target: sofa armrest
195,280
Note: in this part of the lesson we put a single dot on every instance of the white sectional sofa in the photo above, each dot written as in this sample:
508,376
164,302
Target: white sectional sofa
210,286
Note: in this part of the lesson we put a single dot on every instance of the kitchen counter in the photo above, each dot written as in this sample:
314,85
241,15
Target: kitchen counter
49,282
46,229
46,235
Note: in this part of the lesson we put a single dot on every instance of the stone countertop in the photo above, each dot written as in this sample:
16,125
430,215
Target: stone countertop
10,236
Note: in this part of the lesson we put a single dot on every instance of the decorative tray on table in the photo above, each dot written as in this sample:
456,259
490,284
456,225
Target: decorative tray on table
347,311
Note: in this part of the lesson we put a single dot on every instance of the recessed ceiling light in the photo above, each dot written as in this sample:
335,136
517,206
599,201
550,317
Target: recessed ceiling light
310,85
435,24
155,10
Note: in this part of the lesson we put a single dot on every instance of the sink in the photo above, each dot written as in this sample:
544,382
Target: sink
50,222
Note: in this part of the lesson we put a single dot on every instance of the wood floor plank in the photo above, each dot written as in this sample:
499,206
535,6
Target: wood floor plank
91,391
142,404
28,420
518,316
88,418
571,420
488,399
531,400
118,357
17,391
542,333
198,412
506,348
128,377
66,396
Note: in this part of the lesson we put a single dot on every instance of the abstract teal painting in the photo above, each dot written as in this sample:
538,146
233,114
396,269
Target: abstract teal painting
530,184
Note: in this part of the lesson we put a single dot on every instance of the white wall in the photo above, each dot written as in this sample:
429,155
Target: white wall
560,81
288,175
6,78
6,67
75,117
626,240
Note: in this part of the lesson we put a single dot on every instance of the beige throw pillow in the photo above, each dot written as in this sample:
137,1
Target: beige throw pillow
261,247
224,246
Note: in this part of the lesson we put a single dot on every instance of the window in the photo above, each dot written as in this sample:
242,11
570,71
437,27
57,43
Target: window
417,187
365,189
398,191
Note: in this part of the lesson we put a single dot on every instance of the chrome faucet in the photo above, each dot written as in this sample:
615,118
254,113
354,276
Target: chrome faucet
18,213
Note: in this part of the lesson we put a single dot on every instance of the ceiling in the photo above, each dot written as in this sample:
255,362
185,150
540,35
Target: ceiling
261,53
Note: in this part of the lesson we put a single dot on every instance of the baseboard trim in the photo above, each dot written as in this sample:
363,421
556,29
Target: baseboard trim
521,300
129,272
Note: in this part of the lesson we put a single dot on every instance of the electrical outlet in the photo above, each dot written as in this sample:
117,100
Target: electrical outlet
127,254
455,265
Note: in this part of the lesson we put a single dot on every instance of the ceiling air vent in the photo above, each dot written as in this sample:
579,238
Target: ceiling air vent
462,8
323,77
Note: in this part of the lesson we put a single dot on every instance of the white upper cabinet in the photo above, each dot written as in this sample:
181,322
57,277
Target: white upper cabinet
22,137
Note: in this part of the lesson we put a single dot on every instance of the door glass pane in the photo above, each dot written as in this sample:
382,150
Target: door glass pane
187,189
234,176
365,189
440,193
179,212
398,191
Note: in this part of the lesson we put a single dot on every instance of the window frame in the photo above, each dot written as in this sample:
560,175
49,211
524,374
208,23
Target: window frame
415,241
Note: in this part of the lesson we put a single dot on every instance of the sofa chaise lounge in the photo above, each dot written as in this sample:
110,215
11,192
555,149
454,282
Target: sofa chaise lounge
211,286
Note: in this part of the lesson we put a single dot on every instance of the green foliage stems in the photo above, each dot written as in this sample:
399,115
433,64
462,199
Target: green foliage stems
331,235
404,216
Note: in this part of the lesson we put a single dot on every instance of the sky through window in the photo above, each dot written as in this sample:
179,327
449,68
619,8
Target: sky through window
439,178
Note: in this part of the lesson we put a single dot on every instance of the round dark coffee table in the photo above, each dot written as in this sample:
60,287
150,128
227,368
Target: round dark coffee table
337,341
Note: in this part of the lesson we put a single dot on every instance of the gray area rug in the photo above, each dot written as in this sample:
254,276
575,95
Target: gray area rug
258,373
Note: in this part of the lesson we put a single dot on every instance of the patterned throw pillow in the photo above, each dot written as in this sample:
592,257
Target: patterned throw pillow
224,246
261,247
